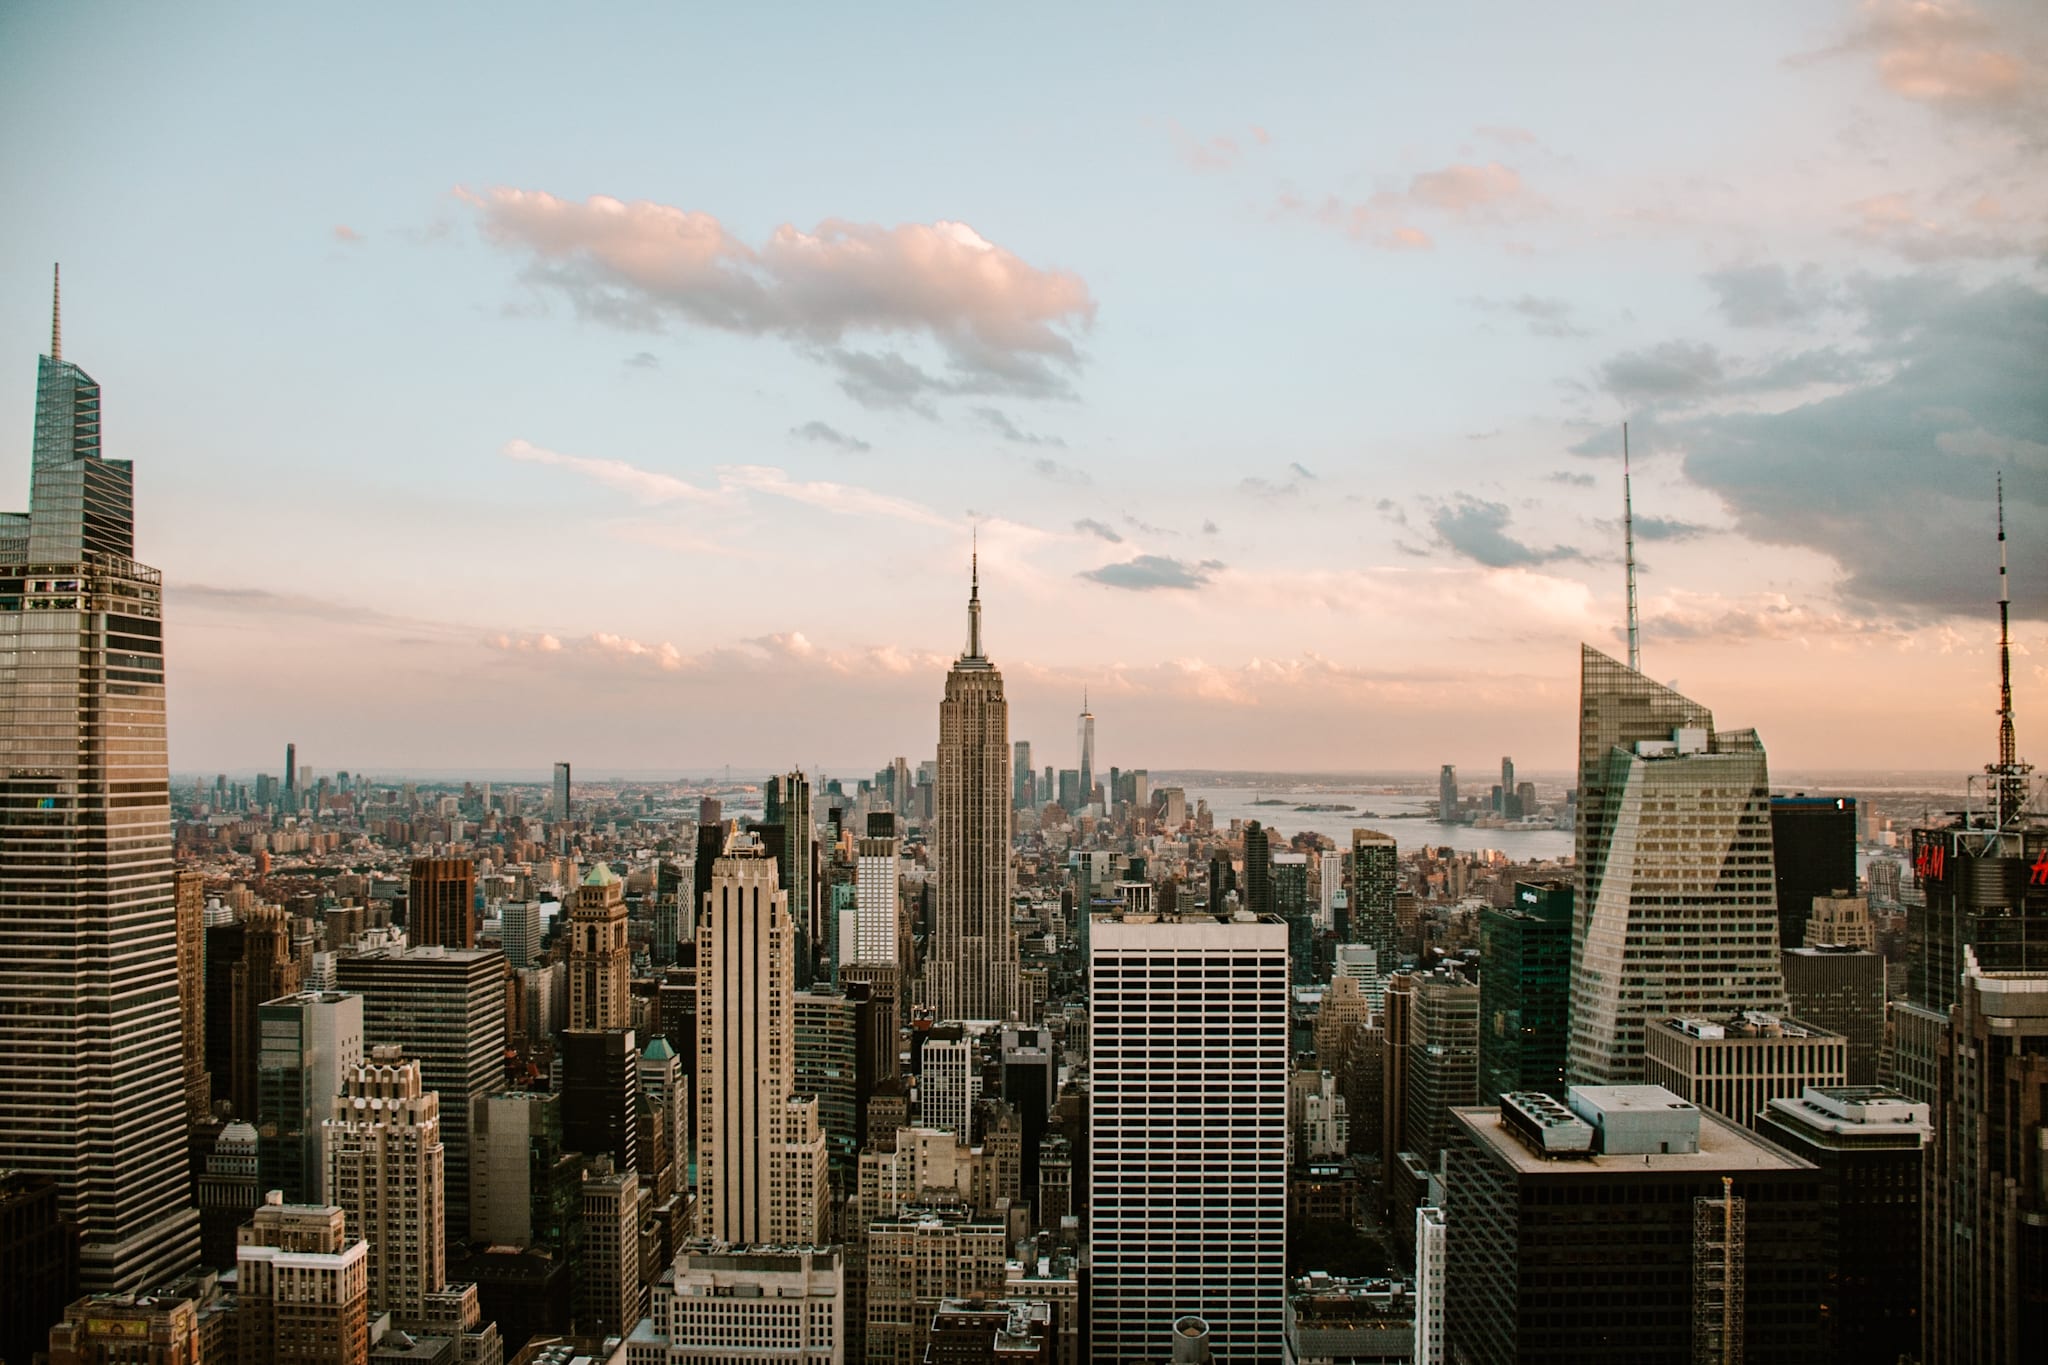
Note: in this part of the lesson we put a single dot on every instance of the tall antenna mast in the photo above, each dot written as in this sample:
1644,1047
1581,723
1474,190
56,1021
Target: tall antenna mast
1628,532
2009,775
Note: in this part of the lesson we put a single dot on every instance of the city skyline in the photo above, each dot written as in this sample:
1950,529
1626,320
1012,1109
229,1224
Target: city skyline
591,352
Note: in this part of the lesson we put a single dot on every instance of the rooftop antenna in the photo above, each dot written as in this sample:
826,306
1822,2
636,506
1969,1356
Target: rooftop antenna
974,597
1628,532
2009,775
57,312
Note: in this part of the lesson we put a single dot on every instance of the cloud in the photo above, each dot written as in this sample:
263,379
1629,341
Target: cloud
1218,153
643,360
1478,531
1988,60
347,235
1463,190
1660,528
1576,480
1146,572
1545,317
1459,193
1209,528
829,435
1097,528
642,485
1891,222
1671,371
1046,467
1768,295
1267,488
244,601
1892,476
1513,137
1000,324
999,422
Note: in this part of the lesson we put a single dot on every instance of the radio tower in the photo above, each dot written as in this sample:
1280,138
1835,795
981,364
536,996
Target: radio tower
1628,531
2008,775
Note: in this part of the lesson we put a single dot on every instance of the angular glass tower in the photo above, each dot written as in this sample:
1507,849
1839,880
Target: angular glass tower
1677,900
90,1071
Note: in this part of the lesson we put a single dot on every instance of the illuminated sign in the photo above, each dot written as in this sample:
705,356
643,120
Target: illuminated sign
2040,877
1930,862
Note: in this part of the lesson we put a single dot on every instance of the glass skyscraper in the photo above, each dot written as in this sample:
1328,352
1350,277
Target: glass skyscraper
91,1078
1677,904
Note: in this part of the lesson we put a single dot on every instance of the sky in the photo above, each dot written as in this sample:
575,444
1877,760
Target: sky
508,384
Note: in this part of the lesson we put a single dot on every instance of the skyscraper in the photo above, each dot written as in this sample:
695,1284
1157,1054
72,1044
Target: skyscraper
302,1286
384,1166
1023,780
1676,910
291,776
1525,953
876,876
440,903
789,804
1256,890
1084,729
1447,795
600,960
190,895
972,972
1375,877
1510,805
760,1152
311,1042
1813,848
1188,1132
560,809
92,1081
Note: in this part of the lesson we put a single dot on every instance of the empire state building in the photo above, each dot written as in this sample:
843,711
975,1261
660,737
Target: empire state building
91,1076
972,973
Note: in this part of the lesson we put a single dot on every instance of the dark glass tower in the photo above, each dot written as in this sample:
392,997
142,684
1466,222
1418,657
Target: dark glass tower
1525,976
1813,839
91,1081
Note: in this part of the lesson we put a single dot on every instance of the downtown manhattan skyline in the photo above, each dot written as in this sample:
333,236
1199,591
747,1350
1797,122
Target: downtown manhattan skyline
1279,368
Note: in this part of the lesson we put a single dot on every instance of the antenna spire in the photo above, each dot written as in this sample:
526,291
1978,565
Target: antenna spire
974,598
1628,524
57,312
2009,775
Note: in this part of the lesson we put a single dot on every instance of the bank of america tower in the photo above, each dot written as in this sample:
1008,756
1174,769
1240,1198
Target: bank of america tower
91,1079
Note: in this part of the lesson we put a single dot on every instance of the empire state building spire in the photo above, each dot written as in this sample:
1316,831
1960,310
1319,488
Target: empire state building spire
974,603
2008,775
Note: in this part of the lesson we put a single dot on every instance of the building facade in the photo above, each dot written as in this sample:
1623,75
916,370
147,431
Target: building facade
600,958
972,972
1525,956
385,1167
1735,1066
92,1082
1676,908
440,903
1187,1130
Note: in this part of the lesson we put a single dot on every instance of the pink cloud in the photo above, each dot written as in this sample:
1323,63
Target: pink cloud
346,234
1458,190
643,485
1002,323
1987,59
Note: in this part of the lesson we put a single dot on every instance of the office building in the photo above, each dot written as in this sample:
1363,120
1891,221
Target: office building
1337,1321
1675,910
972,971
1447,795
877,876
230,1189
1256,886
1375,877
788,804
92,1082
519,930
1626,1225
992,1332
827,1067
440,906
1978,890
1289,872
38,1261
1813,847
1840,922
189,895
916,1259
600,959
559,809
1986,1294
312,1041
1525,956
1023,780
1084,735
760,1151
1736,1065
302,1287
268,970
664,1146
948,1086
1443,1058
159,1328
446,1008
601,1095
385,1168
527,1188
1870,1145
1188,1136
609,1278
1841,989
1431,1275
778,1306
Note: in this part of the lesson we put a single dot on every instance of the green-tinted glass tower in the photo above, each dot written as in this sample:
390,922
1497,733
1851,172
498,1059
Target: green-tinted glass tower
1525,977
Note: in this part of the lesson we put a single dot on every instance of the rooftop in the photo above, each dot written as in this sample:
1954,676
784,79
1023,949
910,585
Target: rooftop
1724,1148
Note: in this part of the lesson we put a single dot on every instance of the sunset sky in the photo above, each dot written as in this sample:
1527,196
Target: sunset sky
509,384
